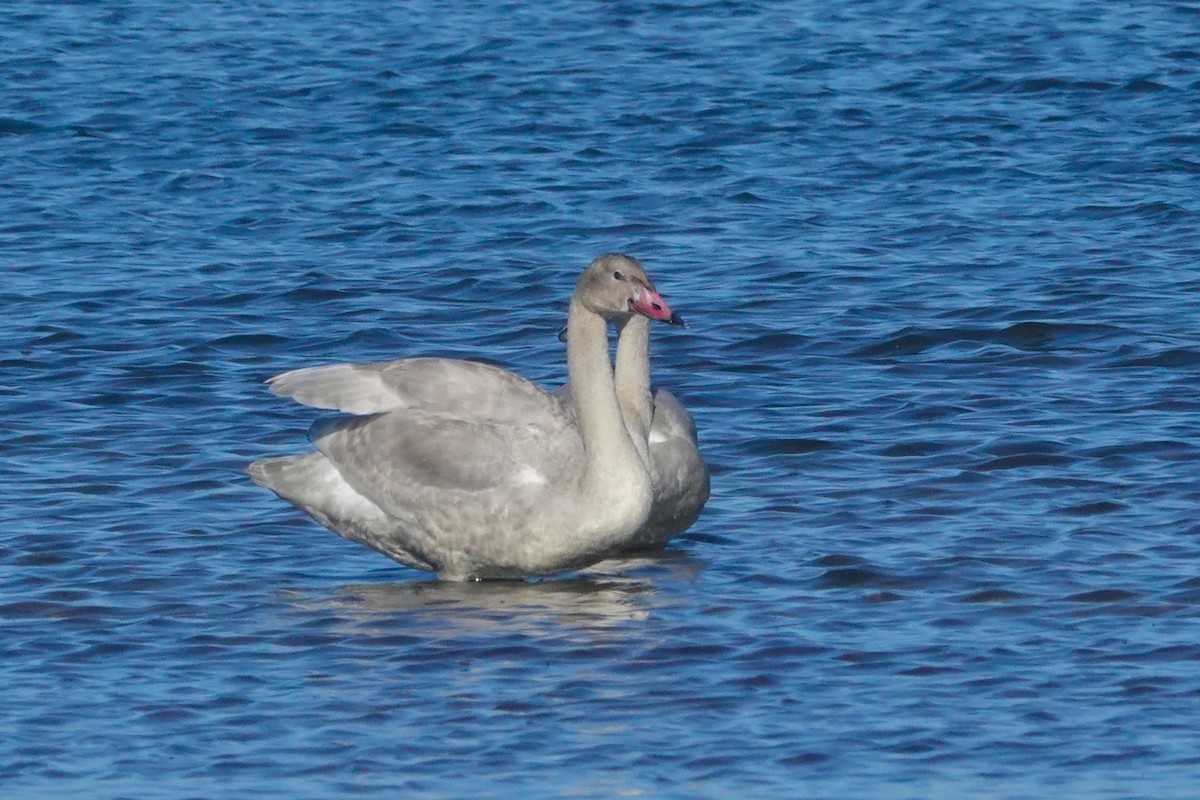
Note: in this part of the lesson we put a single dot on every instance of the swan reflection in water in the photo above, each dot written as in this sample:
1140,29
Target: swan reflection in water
607,595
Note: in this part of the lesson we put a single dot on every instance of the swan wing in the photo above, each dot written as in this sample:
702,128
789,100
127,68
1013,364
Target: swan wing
411,461
454,388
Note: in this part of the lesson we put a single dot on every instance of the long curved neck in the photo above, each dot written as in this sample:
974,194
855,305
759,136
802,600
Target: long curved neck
590,373
633,379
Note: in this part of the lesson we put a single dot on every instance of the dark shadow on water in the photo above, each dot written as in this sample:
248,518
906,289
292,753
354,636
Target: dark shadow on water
673,563
601,598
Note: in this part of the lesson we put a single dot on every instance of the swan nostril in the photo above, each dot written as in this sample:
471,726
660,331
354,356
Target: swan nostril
656,306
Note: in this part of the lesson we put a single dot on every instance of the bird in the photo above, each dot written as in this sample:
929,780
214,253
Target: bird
469,471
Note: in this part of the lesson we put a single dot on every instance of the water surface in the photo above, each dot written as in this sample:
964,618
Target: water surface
939,262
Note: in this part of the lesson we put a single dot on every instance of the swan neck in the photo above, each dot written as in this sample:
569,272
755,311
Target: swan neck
591,377
633,376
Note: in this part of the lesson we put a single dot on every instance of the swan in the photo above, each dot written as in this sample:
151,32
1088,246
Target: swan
678,474
472,472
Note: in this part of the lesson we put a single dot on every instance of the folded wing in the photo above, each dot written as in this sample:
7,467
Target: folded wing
408,459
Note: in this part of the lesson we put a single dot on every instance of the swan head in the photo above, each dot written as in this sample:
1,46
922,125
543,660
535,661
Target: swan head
616,286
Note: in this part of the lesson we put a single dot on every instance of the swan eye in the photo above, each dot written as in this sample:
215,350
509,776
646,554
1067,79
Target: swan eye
618,276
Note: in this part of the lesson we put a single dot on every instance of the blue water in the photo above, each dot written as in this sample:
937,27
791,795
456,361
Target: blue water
941,266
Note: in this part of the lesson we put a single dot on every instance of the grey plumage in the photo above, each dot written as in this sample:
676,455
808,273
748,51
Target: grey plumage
468,470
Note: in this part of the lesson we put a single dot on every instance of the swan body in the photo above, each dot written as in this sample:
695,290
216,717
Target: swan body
678,474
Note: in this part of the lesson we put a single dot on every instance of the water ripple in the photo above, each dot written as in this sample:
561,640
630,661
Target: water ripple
939,266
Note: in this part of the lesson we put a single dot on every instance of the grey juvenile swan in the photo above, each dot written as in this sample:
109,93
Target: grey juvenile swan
679,476
470,471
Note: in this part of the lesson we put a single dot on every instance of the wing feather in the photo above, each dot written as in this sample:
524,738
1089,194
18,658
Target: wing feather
350,388
459,389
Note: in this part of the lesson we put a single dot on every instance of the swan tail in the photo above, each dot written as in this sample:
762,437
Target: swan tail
313,484
289,477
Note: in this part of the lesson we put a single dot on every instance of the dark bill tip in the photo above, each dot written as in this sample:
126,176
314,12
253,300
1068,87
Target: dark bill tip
562,335
677,320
